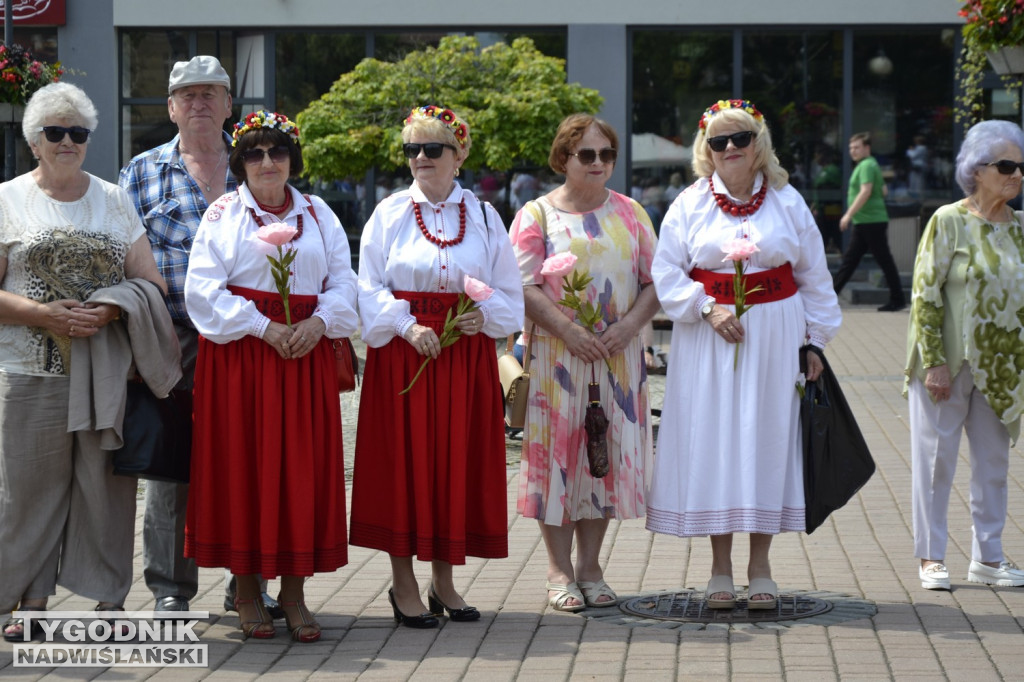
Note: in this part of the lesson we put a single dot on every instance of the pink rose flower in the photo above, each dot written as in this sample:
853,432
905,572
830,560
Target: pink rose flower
559,265
476,290
277,234
739,249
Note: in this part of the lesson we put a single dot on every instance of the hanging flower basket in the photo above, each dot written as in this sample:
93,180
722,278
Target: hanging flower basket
991,27
1007,60
21,74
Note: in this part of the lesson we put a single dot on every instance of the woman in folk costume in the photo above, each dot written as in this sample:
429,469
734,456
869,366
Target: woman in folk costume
430,463
729,448
268,479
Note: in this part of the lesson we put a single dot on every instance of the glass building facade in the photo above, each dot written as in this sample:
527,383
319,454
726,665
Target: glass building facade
815,86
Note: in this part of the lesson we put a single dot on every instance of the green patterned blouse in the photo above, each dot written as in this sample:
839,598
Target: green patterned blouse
968,305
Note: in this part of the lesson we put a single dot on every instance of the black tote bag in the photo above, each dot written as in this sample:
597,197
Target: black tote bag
837,462
157,435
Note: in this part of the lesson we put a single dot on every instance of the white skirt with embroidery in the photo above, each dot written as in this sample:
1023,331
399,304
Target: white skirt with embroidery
729,454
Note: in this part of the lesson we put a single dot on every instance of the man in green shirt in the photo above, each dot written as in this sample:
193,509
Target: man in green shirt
866,199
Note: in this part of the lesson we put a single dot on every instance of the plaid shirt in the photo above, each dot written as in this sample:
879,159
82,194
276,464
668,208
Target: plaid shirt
171,206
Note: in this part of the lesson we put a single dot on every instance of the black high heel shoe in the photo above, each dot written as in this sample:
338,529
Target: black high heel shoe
422,621
438,607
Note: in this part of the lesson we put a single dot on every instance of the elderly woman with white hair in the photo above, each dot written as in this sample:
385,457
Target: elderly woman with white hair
964,348
729,449
63,235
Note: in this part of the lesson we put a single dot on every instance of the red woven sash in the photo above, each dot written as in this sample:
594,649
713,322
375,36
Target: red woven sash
776,284
270,303
427,306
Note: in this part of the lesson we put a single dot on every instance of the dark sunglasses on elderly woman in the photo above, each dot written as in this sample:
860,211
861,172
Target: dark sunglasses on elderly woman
1006,167
432,150
255,155
56,133
587,155
718,143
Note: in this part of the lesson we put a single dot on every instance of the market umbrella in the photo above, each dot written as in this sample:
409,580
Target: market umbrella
651,151
595,424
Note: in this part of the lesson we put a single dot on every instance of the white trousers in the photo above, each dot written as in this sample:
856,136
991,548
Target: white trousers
935,430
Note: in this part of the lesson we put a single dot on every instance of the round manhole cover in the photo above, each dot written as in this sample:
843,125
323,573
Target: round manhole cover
690,607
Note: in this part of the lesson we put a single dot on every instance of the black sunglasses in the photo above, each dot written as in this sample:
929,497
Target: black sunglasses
432,150
718,143
587,155
56,133
277,154
1004,166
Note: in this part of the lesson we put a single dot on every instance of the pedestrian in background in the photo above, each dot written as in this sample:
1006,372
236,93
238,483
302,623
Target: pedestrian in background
867,214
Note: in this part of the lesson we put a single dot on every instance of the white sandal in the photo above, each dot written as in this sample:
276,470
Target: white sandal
720,583
592,591
762,586
563,594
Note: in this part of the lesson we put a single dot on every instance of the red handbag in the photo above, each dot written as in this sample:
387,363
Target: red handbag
347,363
345,358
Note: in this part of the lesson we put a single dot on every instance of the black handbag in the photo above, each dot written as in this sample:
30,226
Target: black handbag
837,462
157,435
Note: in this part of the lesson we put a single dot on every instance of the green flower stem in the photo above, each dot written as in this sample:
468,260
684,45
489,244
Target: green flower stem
449,335
740,291
280,268
587,313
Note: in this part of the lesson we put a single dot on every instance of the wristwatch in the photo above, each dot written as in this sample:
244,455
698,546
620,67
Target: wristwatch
706,309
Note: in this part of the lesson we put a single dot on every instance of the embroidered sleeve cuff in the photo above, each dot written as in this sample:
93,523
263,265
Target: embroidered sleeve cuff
403,324
260,326
324,315
486,310
701,302
817,341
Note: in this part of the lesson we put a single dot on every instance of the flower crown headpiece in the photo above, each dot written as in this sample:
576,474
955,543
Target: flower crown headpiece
445,116
723,104
264,119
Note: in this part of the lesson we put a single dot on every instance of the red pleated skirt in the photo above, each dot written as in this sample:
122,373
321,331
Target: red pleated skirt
267,492
430,472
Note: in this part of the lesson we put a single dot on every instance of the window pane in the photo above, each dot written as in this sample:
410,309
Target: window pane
309,63
148,57
795,80
903,95
676,76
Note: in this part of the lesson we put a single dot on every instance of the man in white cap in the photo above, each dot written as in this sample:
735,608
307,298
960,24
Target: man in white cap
172,185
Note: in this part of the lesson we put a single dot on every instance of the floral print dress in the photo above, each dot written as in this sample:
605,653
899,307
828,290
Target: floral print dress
615,245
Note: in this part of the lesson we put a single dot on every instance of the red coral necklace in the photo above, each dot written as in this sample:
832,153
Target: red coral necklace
741,210
441,243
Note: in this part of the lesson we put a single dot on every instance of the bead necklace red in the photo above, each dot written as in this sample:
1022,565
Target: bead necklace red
741,210
276,209
441,243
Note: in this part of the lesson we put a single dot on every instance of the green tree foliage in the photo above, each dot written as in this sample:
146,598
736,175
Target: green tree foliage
512,96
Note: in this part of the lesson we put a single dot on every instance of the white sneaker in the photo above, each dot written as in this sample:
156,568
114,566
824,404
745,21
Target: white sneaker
934,577
1007,575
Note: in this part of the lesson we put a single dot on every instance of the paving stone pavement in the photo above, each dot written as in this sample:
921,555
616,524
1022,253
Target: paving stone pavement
864,551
